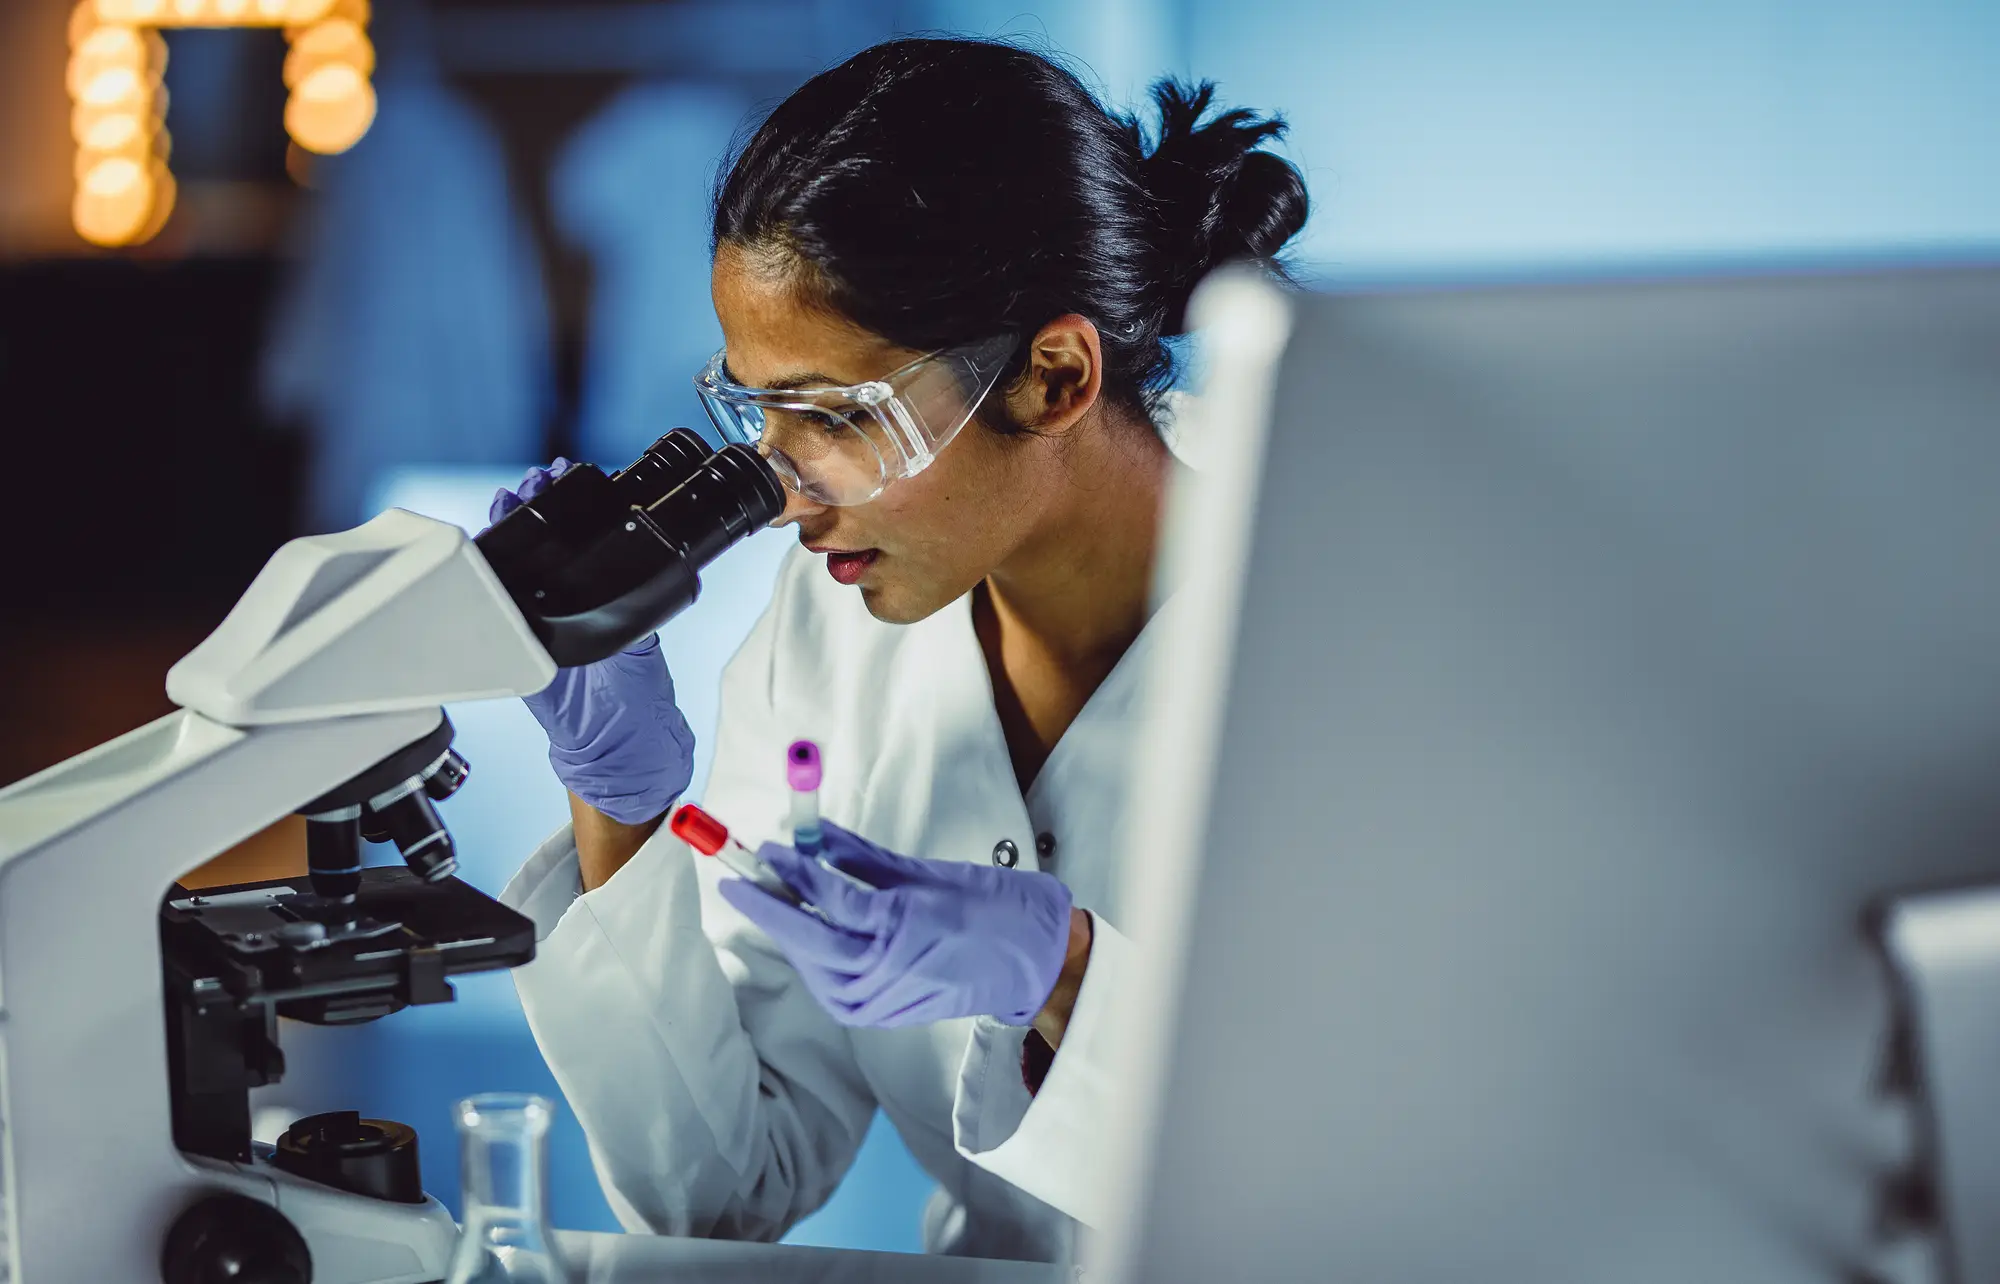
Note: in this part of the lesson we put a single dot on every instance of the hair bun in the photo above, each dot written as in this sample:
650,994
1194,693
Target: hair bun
1216,196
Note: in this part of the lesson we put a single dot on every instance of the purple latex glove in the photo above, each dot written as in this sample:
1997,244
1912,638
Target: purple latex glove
617,740
937,939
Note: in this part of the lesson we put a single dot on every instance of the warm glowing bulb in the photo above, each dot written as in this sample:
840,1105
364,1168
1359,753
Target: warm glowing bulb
85,117
331,36
115,176
143,148
113,201
335,82
335,40
187,10
300,12
231,10
146,10
271,10
104,49
113,85
120,131
330,109
112,44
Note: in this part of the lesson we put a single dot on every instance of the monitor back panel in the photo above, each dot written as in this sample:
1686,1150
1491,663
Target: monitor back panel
1605,648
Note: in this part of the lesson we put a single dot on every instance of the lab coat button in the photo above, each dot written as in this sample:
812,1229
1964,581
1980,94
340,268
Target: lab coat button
1045,845
1005,854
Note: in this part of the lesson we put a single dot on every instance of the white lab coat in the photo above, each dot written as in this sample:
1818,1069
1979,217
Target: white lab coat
719,1099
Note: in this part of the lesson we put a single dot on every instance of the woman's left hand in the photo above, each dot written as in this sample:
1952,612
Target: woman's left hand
934,939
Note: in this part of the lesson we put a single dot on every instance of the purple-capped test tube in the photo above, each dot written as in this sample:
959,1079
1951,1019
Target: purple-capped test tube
802,772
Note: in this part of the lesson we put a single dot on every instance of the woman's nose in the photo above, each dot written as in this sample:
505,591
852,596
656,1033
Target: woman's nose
797,508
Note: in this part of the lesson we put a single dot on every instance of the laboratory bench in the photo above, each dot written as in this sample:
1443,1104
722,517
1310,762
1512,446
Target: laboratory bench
654,1259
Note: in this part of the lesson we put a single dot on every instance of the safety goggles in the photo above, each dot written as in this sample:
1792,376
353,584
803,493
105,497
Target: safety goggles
843,446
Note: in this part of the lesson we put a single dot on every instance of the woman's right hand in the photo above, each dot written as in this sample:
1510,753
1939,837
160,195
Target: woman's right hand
617,740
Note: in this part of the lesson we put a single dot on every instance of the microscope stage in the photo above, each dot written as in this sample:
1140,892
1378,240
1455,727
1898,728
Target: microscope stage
276,944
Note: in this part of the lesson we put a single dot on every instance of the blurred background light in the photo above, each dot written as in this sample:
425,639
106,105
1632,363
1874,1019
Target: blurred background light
113,200
115,79
104,50
330,109
327,70
211,13
139,144
112,87
334,41
86,119
114,131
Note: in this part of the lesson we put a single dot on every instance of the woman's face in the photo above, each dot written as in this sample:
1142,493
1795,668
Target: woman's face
925,541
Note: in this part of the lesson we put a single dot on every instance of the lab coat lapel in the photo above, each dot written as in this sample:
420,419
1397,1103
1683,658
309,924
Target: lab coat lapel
1085,789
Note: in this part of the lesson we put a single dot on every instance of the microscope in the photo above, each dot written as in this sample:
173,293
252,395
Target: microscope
134,1025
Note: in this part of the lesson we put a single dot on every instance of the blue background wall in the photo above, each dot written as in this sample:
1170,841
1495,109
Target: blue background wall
1453,134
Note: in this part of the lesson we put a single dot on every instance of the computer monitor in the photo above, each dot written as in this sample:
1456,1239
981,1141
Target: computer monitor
1585,659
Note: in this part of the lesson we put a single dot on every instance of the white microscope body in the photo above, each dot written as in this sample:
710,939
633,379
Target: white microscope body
340,653
132,1029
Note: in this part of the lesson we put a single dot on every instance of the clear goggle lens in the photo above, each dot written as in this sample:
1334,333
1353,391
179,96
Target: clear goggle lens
843,446
824,456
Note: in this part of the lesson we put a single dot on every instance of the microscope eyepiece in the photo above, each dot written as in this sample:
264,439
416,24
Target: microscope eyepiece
536,540
731,495
594,563
666,464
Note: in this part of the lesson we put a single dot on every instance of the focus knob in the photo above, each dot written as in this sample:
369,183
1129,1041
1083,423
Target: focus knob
232,1239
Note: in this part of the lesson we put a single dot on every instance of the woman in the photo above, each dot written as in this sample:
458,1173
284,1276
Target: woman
944,275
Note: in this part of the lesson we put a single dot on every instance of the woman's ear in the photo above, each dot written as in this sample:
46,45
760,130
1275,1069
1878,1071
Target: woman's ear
1064,376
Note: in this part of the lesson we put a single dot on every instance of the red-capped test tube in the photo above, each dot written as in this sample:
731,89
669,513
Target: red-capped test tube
710,837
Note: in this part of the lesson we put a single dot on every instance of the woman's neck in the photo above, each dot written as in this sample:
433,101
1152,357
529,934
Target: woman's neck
1055,618
1079,590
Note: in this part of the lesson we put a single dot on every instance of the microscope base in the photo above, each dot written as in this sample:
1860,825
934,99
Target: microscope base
353,1239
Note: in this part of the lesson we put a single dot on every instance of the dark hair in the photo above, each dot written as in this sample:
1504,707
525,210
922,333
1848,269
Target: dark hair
939,192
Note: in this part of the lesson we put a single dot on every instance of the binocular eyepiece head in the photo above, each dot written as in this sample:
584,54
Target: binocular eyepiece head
595,562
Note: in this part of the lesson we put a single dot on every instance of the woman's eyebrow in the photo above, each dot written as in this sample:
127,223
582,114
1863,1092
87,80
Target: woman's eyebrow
790,383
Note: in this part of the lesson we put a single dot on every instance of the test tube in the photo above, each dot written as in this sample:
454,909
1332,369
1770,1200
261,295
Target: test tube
802,774
710,837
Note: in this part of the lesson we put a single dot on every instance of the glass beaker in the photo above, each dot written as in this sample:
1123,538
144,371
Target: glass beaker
503,1157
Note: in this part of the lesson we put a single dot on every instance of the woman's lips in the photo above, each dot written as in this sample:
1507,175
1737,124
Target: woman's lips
849,567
